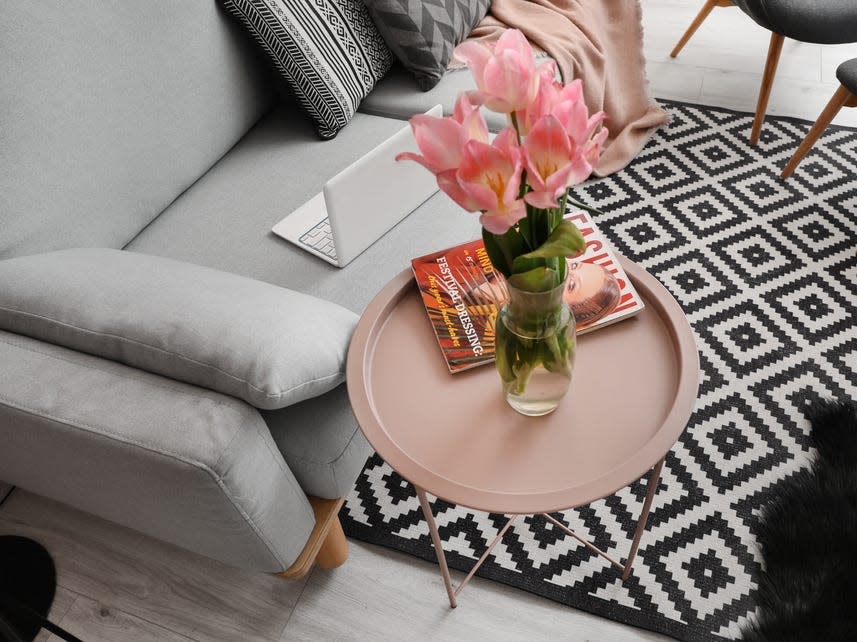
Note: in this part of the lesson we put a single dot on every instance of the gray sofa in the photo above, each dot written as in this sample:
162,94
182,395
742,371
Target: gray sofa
154,127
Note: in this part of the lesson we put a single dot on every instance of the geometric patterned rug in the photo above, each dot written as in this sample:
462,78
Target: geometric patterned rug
766,271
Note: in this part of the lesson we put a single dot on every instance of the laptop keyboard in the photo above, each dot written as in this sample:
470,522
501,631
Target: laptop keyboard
320,239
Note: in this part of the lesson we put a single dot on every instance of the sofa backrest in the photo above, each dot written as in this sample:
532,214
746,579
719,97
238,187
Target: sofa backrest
110,109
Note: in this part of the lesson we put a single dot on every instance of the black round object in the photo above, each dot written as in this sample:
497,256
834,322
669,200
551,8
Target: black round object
28,581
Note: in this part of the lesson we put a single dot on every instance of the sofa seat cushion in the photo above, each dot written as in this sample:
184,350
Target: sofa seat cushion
178,462
321,442
269,346
224,221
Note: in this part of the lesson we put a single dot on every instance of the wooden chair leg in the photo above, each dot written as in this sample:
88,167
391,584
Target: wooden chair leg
774,49
841,98
700,18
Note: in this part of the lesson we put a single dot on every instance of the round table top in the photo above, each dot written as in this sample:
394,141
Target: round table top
632,392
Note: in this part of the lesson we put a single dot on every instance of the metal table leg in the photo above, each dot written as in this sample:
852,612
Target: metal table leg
438,549
654,478
441,556
452,593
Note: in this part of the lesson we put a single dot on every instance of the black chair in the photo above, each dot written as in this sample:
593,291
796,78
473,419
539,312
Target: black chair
824,22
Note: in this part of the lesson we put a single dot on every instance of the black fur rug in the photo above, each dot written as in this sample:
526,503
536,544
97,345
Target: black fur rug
808,538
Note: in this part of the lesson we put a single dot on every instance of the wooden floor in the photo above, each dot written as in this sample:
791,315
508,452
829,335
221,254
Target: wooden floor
722,63
115,584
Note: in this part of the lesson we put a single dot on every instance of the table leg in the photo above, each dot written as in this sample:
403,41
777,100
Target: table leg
654,478
438,549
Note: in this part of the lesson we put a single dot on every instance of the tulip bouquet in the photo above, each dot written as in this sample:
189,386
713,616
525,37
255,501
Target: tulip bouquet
518,182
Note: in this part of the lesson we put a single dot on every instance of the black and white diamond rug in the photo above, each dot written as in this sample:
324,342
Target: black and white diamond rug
766,271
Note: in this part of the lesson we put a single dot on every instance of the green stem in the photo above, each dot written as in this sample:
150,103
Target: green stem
562,205
514,117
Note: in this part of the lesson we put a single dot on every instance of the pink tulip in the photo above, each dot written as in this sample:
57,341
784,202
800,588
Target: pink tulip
561,140
441,140
586,157
490,181
506,77
469,115
549,157
448,184
574,115
547,97
572,91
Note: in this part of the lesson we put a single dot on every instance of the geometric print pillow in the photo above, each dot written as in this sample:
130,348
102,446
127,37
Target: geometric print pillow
423,33
328,51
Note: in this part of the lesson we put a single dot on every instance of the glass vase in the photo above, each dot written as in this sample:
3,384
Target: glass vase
535,346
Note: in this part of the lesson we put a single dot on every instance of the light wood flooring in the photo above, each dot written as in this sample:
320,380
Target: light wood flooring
115,584
722,63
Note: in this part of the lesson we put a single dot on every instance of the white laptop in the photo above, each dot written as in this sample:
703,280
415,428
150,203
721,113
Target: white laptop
361,203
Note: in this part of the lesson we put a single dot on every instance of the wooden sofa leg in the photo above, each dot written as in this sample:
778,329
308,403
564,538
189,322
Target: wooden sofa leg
326,544
774,49
334,550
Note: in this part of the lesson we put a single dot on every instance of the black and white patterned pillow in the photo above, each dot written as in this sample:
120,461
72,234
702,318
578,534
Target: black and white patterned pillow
328,51
423,33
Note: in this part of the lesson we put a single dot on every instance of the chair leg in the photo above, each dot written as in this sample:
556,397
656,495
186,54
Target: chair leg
700,18
774,50
841,98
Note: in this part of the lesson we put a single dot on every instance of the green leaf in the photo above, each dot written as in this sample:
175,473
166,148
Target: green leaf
502,248
552,355
561,268
570,200
565,240
541,279
523,264
555,352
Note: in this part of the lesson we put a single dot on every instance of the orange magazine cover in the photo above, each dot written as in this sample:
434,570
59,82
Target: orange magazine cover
462,293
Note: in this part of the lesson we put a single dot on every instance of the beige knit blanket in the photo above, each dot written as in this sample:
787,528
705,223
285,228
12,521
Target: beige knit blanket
600,41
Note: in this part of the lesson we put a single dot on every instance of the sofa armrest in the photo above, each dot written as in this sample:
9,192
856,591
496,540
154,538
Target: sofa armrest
181,463
267,345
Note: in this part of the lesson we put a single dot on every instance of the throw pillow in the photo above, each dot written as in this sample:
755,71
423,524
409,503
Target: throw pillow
264,344
423,33
328,51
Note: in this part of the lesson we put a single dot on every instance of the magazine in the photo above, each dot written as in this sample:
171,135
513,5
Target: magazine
462,293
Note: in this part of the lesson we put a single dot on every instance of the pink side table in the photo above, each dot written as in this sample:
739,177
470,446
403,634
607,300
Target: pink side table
454,436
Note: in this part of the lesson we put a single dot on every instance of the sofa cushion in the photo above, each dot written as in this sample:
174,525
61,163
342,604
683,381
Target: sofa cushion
224,221
109,111
423,33
266,345
328,51
180,463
